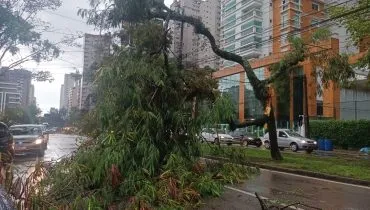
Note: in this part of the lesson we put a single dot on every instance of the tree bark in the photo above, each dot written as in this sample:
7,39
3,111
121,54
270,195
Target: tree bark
274,148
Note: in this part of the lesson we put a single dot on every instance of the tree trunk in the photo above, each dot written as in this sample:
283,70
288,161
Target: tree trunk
271,125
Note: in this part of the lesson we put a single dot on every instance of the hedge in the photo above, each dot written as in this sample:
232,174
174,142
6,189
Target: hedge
349,133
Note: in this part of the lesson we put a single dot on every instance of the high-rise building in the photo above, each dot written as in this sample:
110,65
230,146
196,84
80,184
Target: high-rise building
259,30
15,88
195,49
72,83
96,47
69,83
242,27
61,98
32,98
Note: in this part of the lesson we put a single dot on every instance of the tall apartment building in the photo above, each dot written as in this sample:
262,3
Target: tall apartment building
96,47
72,83
61,97
69,83
259,30
195,49
242,24
32,98
15,88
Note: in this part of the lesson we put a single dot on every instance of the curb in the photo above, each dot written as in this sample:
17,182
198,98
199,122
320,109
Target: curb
341,179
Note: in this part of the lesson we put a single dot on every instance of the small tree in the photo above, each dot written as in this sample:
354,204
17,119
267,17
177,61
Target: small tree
20,27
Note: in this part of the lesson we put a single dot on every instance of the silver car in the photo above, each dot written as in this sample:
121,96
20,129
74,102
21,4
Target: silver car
292,140
29,139
210,135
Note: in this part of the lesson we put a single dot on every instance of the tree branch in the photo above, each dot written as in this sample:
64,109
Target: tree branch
5,51
200,28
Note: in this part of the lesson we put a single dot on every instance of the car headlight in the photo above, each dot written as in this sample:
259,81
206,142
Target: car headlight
303,141
221,137
38,141
315,142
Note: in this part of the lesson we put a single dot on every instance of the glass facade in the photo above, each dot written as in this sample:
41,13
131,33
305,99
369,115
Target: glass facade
252,107
230,85
242,27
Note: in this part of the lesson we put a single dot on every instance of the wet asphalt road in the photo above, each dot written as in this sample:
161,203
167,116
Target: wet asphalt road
285,188
288,188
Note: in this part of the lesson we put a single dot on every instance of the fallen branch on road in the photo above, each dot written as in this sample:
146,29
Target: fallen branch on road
264,206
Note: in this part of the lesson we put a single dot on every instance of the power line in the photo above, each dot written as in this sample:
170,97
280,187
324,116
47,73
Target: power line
66,17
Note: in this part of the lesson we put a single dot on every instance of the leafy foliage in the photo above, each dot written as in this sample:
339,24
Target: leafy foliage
19,27
345,134
358,26
145,153
20,115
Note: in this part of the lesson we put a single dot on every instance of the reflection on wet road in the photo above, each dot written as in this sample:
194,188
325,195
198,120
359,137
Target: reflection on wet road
59,146
323,194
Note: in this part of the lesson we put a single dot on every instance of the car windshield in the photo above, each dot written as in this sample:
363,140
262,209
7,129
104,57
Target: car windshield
291,133
25,130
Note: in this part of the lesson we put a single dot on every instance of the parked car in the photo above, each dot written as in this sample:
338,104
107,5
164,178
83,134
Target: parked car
292,140
210,135
6,142
244,138
29,139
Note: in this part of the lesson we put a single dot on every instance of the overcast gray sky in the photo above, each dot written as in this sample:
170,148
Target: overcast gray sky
63,21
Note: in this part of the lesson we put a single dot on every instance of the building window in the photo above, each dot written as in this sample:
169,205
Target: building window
230,33
230,48
230,86
315,6
230,39
252,107
297,20
315,22
320,109
247,32
284,21
251,23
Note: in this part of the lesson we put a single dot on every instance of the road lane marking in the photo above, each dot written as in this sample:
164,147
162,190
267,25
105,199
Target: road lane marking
315,178
262,197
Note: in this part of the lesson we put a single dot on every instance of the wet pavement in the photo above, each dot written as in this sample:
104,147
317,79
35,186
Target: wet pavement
288,188
59,145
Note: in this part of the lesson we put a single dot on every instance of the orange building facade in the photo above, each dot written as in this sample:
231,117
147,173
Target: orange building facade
288,18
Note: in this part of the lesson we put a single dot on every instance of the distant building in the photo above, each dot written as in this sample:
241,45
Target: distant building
32,98
96,47
195,49
15,88
61,98
69,83
72,83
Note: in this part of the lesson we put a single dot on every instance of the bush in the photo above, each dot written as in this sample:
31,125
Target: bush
349,133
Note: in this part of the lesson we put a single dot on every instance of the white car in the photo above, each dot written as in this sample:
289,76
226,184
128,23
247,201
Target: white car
292,140
210,135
